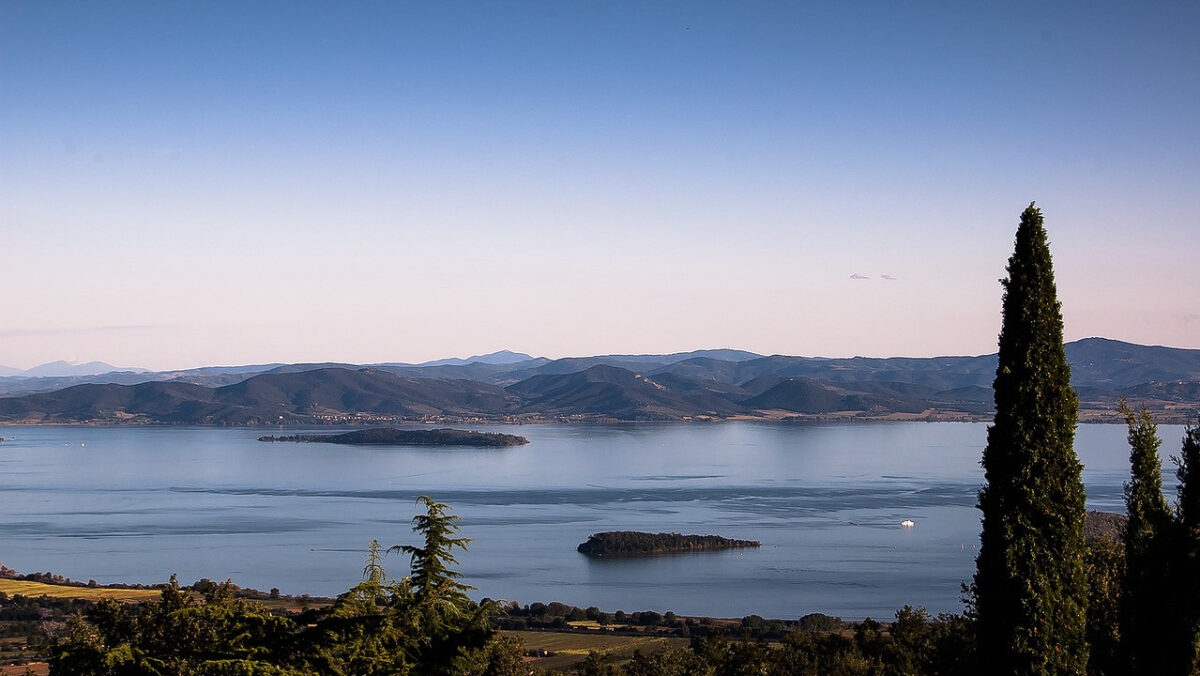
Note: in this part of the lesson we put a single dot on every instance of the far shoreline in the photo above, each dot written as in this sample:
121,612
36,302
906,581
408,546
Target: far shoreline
1086,417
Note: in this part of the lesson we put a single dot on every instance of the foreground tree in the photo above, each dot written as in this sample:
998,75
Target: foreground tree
432,576
1145,628
1187,558
422,625
178,635
1188,474
457,633
1030,588
1105,564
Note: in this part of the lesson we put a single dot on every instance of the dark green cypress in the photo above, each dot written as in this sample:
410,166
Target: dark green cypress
1188,473
1030,588
1145,639
1187,558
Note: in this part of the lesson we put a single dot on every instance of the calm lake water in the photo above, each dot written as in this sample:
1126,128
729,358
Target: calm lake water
137,504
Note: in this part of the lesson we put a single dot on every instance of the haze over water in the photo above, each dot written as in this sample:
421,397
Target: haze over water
134,504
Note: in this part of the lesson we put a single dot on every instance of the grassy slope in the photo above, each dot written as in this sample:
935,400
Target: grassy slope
13,587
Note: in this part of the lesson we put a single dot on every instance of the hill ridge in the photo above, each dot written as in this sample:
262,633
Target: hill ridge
597,388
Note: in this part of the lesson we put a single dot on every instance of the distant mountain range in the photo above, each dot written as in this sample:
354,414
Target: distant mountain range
59,369
502,357
514,387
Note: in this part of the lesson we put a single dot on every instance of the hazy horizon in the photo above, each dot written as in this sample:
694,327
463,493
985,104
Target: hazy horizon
217,184
531,355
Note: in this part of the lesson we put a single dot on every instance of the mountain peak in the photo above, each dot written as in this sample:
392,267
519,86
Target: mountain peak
65,368
500,358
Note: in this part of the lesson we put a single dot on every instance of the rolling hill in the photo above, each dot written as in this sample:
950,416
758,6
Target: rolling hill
323,395
620,393
622,387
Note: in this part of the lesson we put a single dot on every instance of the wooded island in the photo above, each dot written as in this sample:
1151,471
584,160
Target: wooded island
387,436
626,543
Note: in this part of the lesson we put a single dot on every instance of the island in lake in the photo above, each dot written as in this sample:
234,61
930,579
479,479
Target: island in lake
387,436
624,543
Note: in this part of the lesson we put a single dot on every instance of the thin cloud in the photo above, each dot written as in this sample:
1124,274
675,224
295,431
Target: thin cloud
890,278
859,275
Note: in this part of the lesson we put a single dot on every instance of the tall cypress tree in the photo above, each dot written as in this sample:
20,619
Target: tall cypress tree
1188,474
1030,589
1146,627
1187,579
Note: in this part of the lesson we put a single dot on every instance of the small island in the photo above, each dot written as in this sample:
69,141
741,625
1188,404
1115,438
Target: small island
387,436
628,543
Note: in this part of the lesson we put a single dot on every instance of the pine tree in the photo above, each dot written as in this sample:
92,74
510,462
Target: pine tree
1145,626
456,635
432,577
1030,588
374,572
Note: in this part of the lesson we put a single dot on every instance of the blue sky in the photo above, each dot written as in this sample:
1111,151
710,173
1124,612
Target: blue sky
186,184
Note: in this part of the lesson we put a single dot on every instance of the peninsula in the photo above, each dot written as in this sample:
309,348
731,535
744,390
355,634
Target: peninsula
628,543
388,436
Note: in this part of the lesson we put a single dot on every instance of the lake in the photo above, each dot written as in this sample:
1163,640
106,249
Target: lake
136,504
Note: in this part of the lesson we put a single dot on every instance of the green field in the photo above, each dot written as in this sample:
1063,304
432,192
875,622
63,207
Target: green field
570,648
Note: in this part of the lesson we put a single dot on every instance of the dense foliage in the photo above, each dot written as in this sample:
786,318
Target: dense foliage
915,643
24,621
1030,588
1147,587
559,616
1105,565
423,624
1188,548
1158,628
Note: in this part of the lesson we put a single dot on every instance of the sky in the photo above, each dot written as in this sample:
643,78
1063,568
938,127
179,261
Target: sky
186,184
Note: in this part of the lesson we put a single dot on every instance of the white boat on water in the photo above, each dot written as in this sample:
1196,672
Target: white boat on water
907,523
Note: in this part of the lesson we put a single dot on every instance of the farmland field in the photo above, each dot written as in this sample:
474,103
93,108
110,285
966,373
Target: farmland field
14,587
569,648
